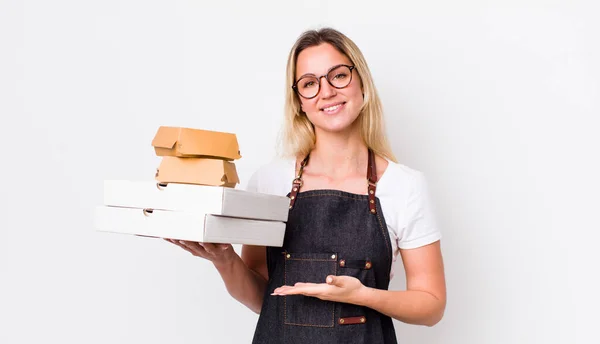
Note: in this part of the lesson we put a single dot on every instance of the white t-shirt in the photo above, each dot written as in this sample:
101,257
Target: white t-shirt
402,192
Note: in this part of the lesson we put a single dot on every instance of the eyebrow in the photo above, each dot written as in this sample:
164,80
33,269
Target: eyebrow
328,70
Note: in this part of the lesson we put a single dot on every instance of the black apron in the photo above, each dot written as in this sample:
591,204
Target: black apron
329,232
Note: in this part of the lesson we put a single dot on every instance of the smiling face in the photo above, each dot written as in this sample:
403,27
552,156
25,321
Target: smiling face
332,109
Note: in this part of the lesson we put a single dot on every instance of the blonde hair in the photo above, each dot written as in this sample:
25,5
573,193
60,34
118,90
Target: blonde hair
298,134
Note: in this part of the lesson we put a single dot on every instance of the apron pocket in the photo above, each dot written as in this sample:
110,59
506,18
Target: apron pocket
303,310
362,269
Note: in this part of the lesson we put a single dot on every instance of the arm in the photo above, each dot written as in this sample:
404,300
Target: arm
245,277
424,300
423,303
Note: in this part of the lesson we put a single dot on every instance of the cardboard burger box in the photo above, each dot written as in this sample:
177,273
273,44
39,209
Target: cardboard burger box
202,171
196,156
193,196
190,142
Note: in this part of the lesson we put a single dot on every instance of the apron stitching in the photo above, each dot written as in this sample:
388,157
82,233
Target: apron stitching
386,237
335,304
308,325
356,198
284,297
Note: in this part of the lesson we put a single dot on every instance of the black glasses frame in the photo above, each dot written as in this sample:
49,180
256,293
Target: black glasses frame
295,85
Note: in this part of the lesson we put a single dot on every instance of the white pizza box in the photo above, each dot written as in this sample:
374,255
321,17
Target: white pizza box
208,199
192,226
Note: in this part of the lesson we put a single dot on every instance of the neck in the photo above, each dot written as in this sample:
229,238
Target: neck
339,154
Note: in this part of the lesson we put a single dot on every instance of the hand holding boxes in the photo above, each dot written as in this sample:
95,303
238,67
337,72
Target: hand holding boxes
194,196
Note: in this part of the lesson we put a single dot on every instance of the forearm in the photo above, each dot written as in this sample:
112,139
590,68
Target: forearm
242,283
411,306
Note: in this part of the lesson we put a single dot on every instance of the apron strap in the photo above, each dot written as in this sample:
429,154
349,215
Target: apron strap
371,181
297,183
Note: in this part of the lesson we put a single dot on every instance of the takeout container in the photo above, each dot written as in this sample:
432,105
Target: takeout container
192,195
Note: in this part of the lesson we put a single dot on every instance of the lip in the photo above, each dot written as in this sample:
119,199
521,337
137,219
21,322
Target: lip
330,105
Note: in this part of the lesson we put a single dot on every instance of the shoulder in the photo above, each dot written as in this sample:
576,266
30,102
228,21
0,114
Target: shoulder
401,179
407,203
274,177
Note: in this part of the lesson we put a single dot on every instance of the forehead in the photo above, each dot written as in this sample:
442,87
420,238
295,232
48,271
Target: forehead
318,59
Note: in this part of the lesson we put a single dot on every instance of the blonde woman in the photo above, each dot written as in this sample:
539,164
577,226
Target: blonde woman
353,211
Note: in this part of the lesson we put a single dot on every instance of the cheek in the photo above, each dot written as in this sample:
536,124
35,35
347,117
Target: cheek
357,91
309,105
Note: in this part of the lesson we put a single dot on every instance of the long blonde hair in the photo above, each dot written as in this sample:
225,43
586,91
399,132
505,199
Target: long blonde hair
298,134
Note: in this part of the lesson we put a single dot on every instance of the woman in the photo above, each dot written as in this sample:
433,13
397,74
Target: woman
353,210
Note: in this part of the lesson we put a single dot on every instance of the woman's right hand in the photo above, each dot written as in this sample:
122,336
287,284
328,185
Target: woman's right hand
216,253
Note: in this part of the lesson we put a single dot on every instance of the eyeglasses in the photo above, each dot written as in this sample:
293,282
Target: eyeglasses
338,76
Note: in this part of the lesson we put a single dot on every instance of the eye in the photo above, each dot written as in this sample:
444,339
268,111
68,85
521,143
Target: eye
308,84
340,76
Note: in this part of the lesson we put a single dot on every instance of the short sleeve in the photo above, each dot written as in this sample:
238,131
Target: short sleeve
253,183
420,226
271,178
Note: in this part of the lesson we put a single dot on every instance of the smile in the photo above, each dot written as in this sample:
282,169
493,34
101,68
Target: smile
333,108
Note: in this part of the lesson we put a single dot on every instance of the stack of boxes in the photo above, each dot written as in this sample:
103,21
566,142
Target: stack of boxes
194,156
193,195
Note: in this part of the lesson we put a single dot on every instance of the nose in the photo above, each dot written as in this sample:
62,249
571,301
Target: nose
327,91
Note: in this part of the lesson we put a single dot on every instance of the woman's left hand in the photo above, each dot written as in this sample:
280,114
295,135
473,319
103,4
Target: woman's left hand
336,288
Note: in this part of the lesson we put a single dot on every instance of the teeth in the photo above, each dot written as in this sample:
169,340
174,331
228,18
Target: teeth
332,108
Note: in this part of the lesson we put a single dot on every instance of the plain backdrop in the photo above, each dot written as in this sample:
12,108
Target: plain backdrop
497,102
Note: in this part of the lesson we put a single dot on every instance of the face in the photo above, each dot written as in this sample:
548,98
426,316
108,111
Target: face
332,109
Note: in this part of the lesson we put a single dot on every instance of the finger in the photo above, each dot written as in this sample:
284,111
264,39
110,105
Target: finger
189,250
210,248
210,251
216,248
176,242
297,291
281,289
193,245
308,289
224,247
301,284
195,248
198,246
338,281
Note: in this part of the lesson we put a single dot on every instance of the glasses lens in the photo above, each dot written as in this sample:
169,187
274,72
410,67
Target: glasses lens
308,86
340,76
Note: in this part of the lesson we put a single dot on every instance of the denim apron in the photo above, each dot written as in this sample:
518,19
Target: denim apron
328,232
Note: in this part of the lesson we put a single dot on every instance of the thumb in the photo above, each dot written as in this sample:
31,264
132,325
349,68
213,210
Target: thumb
334,280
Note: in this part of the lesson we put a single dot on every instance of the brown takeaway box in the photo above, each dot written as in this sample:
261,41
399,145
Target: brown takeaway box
203,171
188,142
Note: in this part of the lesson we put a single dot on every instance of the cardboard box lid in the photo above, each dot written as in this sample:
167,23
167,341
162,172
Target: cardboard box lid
202,171
193,226
189,142
216,200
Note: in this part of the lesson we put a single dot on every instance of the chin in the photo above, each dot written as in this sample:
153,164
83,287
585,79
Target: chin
338,122
336,126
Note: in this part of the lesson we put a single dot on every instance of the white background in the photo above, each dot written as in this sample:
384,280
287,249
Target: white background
497,102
